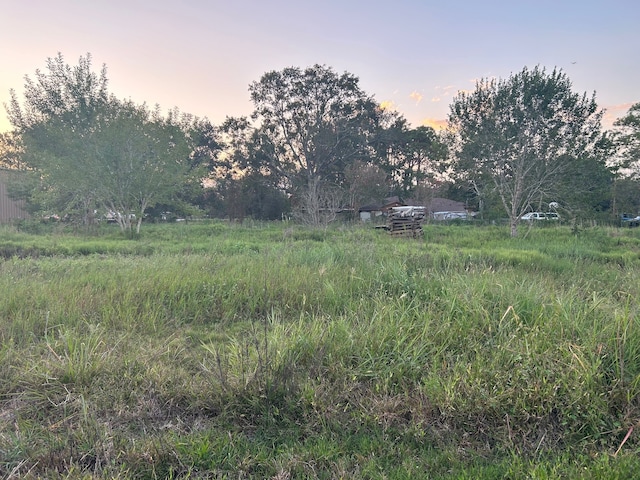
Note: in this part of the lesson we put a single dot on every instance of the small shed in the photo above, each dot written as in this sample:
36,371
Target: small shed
391,202
369,212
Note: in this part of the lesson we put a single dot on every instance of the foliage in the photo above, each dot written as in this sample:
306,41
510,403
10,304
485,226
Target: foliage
414,158
10,151
524,137
89,150
626,195
312,124
366,182
628,138
251,195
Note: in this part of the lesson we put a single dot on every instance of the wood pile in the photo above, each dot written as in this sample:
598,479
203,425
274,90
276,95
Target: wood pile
406,221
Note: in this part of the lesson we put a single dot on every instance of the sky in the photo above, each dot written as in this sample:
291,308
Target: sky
411,55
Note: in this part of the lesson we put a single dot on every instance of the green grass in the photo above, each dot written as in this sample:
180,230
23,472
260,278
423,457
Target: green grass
208,350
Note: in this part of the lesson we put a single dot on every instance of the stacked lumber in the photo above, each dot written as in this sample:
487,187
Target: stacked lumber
406,221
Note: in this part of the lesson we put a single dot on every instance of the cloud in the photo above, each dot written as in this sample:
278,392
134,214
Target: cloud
436,124
416,96
613,112
388,105
446,90
620,109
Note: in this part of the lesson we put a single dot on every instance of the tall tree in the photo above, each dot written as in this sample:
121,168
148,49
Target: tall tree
627,137
10,151
89,149
523,135
312,123
241,182
60,108
414,158
366,183
140,159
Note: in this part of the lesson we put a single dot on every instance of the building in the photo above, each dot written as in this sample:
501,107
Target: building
437,209
10,210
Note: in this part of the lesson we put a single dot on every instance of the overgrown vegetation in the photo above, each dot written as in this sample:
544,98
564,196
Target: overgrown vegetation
211,350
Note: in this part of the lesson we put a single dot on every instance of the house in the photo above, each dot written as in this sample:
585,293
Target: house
373,210
391,202
445,209
10,209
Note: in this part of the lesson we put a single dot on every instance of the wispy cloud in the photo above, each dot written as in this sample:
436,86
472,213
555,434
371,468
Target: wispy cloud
388,105
443,92
416,96
446,90
436,124
613,112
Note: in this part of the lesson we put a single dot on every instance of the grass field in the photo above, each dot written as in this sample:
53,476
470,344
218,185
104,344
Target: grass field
209,350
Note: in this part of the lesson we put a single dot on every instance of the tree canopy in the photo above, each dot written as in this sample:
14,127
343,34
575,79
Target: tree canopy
311,124
89,149
628,139
315,143
414,158
521,136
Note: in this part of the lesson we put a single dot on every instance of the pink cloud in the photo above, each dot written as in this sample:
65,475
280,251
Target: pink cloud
387,105
416,96
436,124
613,112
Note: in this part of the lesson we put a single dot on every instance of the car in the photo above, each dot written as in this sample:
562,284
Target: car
532,216
628,220
113,217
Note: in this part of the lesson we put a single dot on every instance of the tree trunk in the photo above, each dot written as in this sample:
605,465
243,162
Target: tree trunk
514,228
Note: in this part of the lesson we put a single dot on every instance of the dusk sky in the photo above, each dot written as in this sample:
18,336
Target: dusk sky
201,55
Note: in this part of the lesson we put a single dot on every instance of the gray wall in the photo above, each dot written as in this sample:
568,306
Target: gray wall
9,209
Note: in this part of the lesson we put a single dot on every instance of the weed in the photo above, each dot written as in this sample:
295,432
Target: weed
265,351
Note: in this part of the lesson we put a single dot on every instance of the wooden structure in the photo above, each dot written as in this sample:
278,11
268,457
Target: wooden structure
406,221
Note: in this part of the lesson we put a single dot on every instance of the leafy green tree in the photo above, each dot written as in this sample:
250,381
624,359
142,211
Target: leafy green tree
626,195
141,159
627,137
522,136
10,151
60,108
89,149
312,123
242,184
366,183
206,148
414,158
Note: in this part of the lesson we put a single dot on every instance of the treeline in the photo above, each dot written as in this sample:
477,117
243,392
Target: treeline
315,145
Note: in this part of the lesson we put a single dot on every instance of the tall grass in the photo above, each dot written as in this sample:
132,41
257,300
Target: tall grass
263,351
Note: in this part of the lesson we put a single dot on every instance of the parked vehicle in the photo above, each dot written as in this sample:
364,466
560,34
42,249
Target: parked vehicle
628,220
532,216
113,217
450,215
